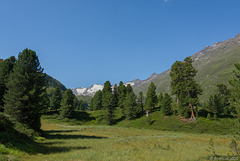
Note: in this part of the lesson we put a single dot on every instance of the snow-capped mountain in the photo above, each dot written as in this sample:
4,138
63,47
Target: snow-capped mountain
90,91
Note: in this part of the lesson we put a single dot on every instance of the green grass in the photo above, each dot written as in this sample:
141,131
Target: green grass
156,137
67,142
157,121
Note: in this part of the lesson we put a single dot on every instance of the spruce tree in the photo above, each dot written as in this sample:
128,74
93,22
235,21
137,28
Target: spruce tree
107,102
151,98
141,102
56,98
130,106
5,68
25,87
67,104
166,104
235,90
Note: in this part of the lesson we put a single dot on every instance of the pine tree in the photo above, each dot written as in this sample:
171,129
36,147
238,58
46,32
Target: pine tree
218,106
130,106
46,102
160,99
26,85
151,98
121,94
141,102
129,89
5,68
210,103
191,88
176,75
224,94
166,104
67,104
235,90
115,95
80,105
56,98
107,102
96,102
184,86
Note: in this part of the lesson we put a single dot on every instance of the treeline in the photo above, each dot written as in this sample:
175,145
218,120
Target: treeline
183,101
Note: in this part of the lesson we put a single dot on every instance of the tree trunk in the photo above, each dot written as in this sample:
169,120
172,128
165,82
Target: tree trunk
177,101
147,113
192,116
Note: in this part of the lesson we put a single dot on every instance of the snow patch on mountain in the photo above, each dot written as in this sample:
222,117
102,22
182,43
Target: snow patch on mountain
90,91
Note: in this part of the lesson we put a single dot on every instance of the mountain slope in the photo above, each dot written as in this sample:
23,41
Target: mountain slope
53,83
214,64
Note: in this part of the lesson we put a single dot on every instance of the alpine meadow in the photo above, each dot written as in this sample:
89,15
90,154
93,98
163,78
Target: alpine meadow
188,110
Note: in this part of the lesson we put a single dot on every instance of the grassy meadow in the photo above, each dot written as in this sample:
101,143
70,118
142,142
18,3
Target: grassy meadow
97,142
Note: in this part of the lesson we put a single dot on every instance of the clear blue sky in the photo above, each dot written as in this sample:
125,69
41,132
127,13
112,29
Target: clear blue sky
82,42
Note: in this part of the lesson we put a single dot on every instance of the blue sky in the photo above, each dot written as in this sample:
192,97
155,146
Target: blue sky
82,42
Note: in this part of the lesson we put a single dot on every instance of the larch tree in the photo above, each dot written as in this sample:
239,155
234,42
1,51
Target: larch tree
25,90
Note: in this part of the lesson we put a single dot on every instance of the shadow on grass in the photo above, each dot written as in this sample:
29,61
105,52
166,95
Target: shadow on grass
82,116
48,135
60,131
26,144
43,149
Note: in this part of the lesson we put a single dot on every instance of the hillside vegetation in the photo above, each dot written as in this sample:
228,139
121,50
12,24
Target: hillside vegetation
214,65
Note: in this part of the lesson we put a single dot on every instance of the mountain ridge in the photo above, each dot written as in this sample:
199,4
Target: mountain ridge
214,64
